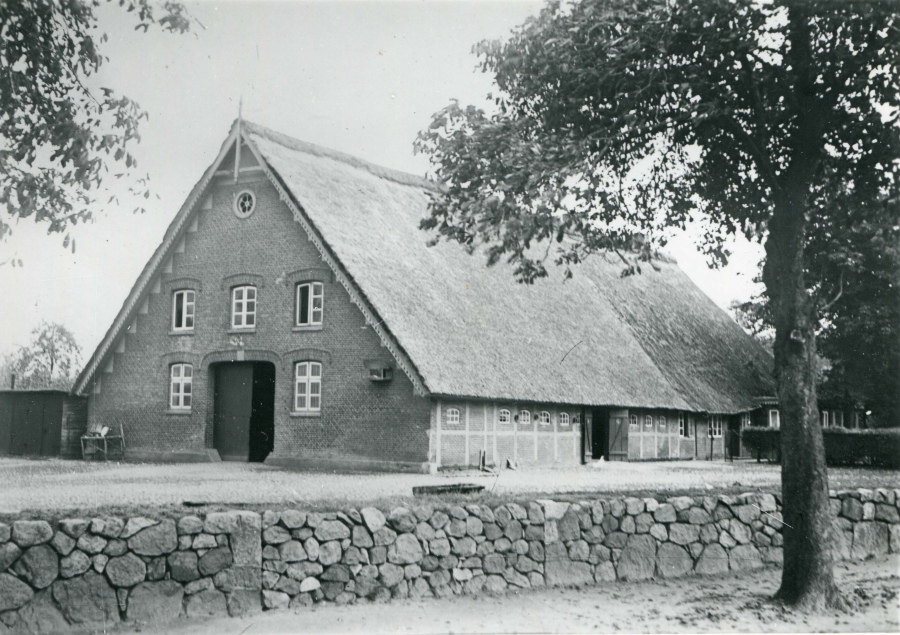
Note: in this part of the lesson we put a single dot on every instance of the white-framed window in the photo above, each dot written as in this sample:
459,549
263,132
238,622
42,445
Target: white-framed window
662,423
564,419
310,303
307,387
183,310
682,425
838,420
715,426
774,418
180,386
244,204
648,421
633,421
544,418
243,307
823,417
452,415
745,420
504,417
524,417
692,426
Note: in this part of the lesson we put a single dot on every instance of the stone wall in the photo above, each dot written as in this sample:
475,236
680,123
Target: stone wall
79,573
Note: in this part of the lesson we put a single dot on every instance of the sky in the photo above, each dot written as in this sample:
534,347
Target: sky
359,77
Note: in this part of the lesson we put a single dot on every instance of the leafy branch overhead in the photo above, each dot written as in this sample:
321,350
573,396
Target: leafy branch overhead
59,140
615,120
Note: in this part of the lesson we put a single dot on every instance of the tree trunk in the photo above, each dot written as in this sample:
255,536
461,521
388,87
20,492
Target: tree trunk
807,580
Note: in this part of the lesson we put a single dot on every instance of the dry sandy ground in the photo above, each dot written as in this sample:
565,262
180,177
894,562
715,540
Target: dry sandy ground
715,604
57,485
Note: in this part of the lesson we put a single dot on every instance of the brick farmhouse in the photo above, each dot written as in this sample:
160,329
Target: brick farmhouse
295,313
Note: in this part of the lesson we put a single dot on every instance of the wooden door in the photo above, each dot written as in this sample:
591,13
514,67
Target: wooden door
618,439
51,425
233,406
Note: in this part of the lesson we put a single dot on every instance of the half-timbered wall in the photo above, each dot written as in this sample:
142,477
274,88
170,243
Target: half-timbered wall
462,429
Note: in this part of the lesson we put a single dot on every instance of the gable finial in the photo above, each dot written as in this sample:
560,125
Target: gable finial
237,147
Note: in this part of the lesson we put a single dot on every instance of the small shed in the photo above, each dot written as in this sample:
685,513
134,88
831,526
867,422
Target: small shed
41,423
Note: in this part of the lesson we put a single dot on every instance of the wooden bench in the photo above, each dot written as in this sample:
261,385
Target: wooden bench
97,442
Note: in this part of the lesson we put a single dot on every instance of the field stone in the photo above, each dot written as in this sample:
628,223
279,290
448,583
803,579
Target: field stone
311,546
407,550
91,543
638,558
156,540
27,533
660,532
215,560
373,518
697,516
713,560
135,525
204,541
87,599
456,528
681,503
198,585
740,532
13,592
634,506
9,553
276,535
287,585
40,615
384,537
183,566
605,572
744,557
628,525
332,530
38,565
568,526
894,542
292,551
74,564
156,568
99,561
189,525
330,553
726,540
302,570
673,561
115,547
5,532
887,513
475,526
155,602
63,543
361,537
108,527
682,534
242,602
126,571
665,514
869,539
206,603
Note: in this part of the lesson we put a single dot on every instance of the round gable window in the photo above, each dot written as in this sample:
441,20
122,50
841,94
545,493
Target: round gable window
244,204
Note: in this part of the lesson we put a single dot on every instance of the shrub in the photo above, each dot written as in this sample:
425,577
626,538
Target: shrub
878,447
762,442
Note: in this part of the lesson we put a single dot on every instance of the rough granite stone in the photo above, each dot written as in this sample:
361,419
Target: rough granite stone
128,570
156,540
330,553
74,564
638,558
189,525
38,565
87,599
27,533
9,552
713,560
332,530
682,534
133,526
665,514
13,592
673,561
215,560
183,565
744,557
869,539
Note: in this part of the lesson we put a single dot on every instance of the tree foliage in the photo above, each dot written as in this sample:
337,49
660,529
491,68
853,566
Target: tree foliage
59,140
51,360
618,121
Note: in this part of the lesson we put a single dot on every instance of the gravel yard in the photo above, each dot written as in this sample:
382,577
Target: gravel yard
56,485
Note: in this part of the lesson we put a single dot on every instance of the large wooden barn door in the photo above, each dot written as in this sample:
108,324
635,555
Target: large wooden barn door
232,410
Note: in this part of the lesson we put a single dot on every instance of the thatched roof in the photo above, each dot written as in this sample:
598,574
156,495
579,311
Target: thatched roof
648,340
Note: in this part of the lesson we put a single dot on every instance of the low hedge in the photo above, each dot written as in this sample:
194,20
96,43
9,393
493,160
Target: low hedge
879,448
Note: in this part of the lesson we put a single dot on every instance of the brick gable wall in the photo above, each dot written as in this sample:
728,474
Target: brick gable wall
359,418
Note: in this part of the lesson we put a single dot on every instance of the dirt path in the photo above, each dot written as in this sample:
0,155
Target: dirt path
712,604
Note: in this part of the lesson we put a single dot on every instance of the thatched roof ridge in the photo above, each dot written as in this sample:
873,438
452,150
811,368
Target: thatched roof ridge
403,178
649,340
